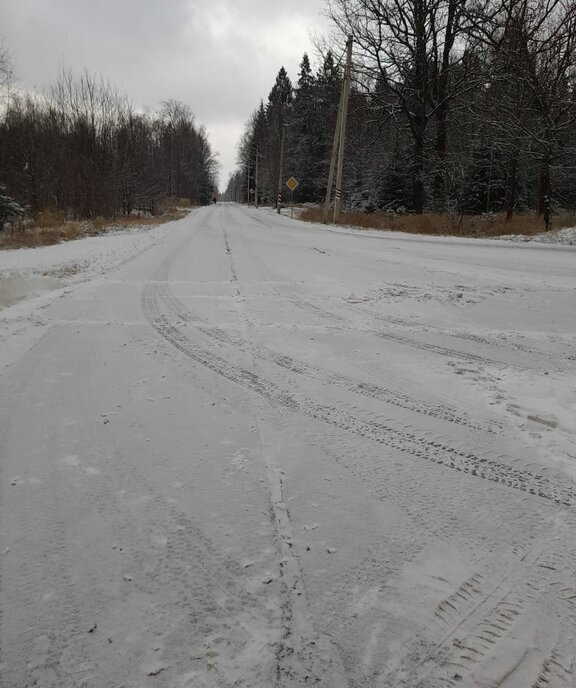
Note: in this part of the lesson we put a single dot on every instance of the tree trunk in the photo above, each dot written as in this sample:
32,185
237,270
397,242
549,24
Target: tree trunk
421,89
544,204
442,85
418,173
439,180
511,188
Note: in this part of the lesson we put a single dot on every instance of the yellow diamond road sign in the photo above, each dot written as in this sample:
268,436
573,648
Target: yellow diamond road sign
292,183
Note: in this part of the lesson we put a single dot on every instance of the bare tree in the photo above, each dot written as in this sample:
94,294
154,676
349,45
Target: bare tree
412,48
82,150
533,45
5,67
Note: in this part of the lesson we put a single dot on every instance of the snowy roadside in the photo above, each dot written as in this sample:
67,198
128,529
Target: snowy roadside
560,237
29,272
564,237
31,278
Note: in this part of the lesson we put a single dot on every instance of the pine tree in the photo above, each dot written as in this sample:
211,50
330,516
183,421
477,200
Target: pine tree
303,146
278,111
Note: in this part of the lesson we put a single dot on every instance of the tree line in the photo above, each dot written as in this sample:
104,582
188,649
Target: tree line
84,150
464,106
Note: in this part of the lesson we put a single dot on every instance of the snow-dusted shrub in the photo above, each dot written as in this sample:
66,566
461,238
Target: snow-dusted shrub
361,202
10,210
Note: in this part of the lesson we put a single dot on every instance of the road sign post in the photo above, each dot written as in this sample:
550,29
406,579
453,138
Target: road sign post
292,183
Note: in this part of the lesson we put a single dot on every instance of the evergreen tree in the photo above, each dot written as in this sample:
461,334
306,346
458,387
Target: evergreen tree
278,112
303,136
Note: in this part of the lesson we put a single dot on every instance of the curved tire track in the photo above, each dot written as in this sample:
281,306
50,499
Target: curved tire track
153,300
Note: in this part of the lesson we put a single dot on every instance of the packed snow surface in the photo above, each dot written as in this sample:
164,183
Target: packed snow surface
240,450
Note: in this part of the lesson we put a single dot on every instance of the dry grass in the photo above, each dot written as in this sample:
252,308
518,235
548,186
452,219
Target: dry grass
51,227
50,218
29,236
445,224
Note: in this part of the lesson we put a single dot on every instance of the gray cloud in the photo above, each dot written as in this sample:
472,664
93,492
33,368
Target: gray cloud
218,56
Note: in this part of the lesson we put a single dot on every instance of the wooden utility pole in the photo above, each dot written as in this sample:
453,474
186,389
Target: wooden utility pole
256,181
248,185
333,160
342,138
281,169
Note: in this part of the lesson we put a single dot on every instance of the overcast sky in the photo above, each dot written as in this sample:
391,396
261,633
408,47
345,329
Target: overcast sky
218,56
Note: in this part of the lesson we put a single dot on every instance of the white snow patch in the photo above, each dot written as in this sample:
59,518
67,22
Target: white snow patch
28,272
564,237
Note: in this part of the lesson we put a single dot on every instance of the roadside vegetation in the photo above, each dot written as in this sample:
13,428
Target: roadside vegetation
52,227
80,159
461,114
445,224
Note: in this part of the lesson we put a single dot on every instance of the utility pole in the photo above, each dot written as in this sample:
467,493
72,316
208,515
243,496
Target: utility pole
248,184
256,180
281,169
333,160
345,94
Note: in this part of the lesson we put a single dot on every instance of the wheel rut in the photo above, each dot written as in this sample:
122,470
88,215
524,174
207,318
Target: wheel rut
154,301
303,656
484,624
394,397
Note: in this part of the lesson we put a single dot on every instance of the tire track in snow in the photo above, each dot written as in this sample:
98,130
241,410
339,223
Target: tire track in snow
493,426
454,334
417,496
197,601
488,467
367,389
299,403
303,655
194,596
501,340
360,387
46,627
492,624
464,599
438,349
405,441
447,352
188,593
480,619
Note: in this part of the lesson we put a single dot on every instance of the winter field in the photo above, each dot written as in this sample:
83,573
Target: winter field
240,451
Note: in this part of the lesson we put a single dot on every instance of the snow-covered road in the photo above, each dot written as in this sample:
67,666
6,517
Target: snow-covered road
264,453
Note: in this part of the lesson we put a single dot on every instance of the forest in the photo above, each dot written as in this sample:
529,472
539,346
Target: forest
456,106
82,151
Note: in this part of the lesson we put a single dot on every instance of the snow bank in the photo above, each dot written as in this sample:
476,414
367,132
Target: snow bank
30,272
561,237
565,237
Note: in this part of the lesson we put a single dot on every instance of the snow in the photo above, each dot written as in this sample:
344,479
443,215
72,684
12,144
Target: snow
240,450
564,237
28,272
33,277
